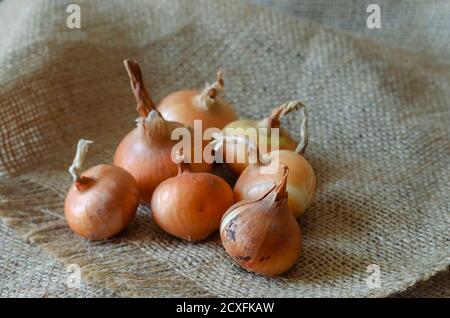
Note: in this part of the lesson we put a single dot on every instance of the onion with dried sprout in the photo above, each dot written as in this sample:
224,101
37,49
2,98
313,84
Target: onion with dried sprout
146,152
102,200
185,106
262,235
262,129
263,173
190,205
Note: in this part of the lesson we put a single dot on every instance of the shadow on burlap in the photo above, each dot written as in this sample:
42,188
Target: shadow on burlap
379,141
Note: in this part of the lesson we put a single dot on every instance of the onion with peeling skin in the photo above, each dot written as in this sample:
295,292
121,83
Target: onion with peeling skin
262,235
260,176
301,182
188,105
146,152
190,205
242,127
102,200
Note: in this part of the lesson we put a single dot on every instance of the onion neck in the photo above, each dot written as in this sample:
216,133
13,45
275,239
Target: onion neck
76,167
183,167
273,121
301,147
277,195
81,182
261,159
209,95
144,102
155,128
220,139
268,123
280,188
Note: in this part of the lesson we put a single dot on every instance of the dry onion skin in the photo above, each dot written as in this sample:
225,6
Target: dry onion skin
239,127
191,205
262,235
146,152
185,106
102,201
255,180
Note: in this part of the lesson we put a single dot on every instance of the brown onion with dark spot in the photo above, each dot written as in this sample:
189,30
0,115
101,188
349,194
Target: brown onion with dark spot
262,235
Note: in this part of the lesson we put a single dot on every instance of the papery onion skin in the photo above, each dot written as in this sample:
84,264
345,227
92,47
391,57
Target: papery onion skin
262,236
301,183
190,205
104,204
149,160
148,165
146,151
181,106
264,135
238,128
276,256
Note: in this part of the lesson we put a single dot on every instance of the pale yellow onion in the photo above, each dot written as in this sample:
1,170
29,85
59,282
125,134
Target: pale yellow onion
239,128
301,181
261,175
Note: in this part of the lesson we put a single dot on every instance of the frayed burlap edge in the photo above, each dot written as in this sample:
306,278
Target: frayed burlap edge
42,226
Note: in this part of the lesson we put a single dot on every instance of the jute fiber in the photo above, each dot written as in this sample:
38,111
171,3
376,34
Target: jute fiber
379,140
420,26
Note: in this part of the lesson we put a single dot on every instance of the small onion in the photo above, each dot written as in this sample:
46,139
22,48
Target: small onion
190,205
188,105
241,128
146,152
262,235
102,200
260,176
301,182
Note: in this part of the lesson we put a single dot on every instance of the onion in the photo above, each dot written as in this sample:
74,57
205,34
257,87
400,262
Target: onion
245,127
190,205
102,201
261,175
262,235
188,105
146,152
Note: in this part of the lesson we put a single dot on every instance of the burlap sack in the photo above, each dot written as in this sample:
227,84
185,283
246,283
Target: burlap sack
420,26
379,140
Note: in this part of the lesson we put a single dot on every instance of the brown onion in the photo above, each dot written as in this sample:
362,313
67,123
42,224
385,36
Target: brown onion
262,235
146,152
190,205
102,200
188,105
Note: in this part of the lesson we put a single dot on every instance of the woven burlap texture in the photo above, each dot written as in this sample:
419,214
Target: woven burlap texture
379,144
